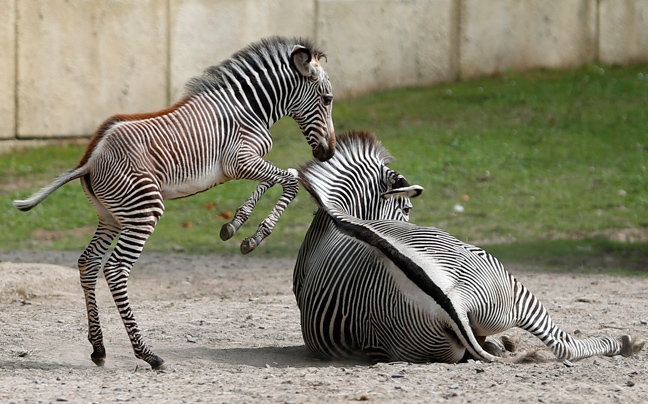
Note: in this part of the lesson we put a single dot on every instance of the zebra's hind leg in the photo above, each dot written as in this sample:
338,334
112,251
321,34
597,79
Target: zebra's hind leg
117,270
535,319
244,211
89,266
138,217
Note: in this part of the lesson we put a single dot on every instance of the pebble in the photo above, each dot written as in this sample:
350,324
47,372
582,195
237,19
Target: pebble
630,383
397,376
192,339
568,363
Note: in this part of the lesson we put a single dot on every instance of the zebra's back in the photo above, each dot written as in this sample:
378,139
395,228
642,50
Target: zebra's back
354,301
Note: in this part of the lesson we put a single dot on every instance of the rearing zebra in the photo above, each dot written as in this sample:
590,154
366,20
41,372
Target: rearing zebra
370,284
216,133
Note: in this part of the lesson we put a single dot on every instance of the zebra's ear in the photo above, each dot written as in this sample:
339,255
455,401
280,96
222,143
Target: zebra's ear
411,191
301,58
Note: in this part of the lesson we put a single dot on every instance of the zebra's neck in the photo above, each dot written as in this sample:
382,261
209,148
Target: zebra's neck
264,90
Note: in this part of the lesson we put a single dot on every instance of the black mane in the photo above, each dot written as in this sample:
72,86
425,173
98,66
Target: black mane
274,51
348,146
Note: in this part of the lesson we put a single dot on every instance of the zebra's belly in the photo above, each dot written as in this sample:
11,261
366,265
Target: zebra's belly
192,185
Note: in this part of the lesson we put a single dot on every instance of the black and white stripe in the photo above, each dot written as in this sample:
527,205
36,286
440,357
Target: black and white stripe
368,283
216,133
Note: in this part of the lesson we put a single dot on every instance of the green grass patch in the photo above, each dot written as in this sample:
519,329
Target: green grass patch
541,155
588,255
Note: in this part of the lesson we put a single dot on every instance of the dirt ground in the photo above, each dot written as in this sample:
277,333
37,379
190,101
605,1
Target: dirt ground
228,328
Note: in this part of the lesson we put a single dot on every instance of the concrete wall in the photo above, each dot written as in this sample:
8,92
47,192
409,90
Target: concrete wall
80,62
7,69
623,31
205,32
517,34
66,65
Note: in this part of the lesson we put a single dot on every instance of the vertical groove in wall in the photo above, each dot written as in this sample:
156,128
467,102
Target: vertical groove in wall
597,34
455,39
168,52
16,16
316,22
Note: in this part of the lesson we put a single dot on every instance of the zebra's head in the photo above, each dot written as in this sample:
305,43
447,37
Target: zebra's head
357,181
312,107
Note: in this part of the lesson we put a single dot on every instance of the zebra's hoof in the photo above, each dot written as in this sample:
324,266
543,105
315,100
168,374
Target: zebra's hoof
99,361
156,363
629,347
248,245
98,356
227,231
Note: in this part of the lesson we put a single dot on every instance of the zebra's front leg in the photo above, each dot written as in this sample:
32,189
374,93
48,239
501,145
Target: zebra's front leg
290,190
244,211
89,266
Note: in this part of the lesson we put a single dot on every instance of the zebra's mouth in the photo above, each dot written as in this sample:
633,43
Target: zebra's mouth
323,152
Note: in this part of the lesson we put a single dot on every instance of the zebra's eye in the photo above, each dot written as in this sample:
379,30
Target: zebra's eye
327,98
407,210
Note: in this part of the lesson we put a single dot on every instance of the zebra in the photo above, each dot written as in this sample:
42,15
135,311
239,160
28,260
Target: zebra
217,132
371,285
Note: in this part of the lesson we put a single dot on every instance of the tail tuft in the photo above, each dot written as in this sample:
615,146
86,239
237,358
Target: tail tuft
24,205
27,204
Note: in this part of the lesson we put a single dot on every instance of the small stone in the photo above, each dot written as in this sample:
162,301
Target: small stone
192,339
630,383
61,399
643,322
479,370
454,387
568,363
397,376
253,299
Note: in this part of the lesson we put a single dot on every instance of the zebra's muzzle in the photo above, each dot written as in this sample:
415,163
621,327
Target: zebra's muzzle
323,152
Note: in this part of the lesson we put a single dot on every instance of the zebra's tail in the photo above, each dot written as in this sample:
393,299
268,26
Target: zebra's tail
27,204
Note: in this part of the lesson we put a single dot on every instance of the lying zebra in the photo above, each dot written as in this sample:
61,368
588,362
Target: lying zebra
370,284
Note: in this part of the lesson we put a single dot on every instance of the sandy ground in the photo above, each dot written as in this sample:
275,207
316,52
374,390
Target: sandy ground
228,328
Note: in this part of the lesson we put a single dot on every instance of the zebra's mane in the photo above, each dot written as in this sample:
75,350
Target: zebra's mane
272,51
352,148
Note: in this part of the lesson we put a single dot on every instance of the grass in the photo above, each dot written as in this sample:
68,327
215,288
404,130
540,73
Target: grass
548,167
